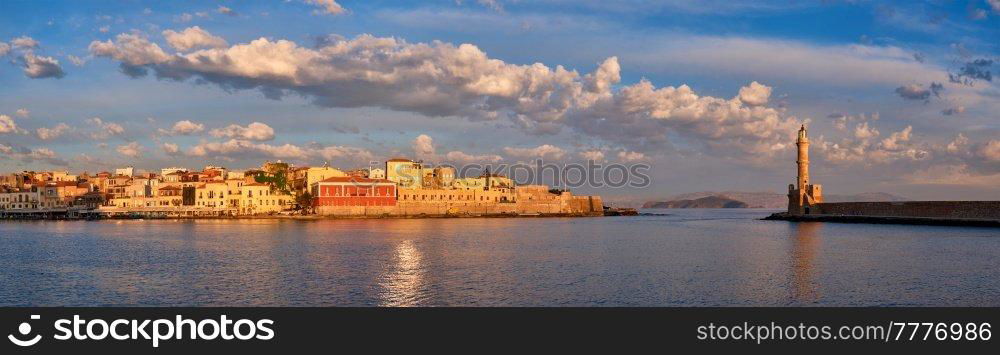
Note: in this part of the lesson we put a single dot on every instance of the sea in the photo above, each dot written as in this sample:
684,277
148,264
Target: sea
664,257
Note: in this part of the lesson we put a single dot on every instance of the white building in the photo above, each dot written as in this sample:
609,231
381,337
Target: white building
23,200
126,171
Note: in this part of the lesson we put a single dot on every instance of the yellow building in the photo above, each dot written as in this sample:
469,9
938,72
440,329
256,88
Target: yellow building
405,172
59,194
492,181
63,176
212,195
456,196
169,196
259,199
303,178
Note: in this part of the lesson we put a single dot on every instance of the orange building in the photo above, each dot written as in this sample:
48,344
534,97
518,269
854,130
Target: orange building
353,191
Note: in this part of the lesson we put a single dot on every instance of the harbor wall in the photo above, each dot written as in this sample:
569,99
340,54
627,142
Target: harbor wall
575,205
922,209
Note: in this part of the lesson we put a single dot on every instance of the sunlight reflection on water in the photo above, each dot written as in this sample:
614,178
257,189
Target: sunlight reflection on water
403,279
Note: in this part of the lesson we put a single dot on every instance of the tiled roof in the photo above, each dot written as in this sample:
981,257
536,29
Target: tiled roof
355,179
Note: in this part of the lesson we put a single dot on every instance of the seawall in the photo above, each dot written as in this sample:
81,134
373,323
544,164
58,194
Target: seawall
578,206
927,209
951,213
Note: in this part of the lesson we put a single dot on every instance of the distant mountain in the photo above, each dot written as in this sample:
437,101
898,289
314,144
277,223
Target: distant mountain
865,197
704,202
752,199
771,199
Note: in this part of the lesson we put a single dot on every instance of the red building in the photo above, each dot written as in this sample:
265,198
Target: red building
353,191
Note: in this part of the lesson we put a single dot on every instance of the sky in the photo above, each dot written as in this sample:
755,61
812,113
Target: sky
899,97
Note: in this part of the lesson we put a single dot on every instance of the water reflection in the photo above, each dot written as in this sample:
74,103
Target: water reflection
404,279
805,244
686,258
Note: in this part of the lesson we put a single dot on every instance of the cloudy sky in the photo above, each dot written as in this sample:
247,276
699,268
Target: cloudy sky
899,97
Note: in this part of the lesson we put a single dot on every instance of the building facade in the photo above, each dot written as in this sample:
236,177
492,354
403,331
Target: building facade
405,172
353,191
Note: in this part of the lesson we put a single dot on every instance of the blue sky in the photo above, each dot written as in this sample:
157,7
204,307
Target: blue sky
899,96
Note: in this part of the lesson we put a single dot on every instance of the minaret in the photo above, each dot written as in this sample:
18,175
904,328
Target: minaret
803,143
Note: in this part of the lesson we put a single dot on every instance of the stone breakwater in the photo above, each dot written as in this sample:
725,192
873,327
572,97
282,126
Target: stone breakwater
952,213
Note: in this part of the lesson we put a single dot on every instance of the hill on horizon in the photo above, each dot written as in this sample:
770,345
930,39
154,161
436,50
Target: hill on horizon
704,202
772,199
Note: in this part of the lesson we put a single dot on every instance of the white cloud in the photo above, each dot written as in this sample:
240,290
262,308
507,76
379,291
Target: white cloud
545,151
864,147
850,65
441,79
4,49
896,140
627,156
185,17
105,130
951,111
26,155
225,11
24,42
22,112
183,128
951,174
170,148
58,130
958,144
7,125
130,49
995,4
77,61
466,158
132,150
494,5
755,94
642,117
991,151
423,146
918,91
193,38
239,148
595,155
840,121
38,67
255,131
329,153
864,132
330,7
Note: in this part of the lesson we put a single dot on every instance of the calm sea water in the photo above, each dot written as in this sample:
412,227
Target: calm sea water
682,258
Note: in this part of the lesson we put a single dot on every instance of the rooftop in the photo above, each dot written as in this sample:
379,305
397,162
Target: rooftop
355,179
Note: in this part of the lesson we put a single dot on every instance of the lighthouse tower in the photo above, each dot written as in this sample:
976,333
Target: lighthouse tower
803,196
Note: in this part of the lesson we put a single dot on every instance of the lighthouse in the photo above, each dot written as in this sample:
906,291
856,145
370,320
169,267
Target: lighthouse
803,196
